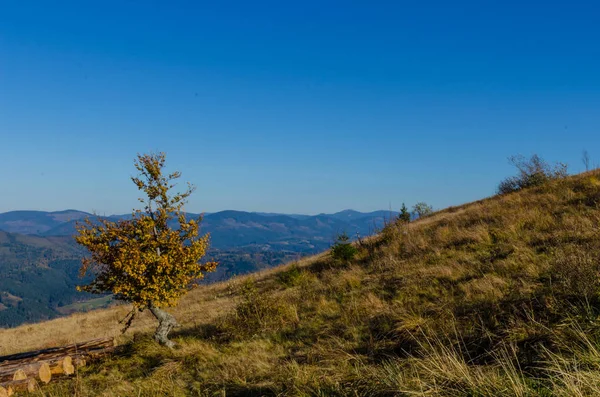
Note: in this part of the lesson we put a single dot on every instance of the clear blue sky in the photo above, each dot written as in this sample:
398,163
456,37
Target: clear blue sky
308,107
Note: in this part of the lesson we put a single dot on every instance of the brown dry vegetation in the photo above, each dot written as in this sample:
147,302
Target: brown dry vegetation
494,298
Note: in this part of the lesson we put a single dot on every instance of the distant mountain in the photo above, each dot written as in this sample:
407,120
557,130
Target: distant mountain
297,216
228,229
348,215
39,259
37,222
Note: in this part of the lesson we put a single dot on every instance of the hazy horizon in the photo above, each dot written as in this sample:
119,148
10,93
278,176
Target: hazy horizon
194,212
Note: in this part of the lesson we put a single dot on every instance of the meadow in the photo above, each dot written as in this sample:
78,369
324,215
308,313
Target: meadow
493,298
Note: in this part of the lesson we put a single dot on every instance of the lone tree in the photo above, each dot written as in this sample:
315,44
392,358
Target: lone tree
143,260
404,215
422,209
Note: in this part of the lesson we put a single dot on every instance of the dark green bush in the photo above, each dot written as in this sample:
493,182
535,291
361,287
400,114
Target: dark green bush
343,250
291,277
404,215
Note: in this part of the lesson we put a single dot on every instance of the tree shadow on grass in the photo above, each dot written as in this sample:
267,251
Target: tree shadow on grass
205,332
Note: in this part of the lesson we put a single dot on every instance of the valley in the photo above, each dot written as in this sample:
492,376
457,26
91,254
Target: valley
39,259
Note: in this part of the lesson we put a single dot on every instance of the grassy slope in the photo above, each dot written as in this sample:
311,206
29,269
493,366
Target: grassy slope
498,297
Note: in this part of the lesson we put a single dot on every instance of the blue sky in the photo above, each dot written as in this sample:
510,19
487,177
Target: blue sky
307,107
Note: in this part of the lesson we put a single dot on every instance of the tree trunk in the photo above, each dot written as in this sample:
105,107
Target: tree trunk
166,322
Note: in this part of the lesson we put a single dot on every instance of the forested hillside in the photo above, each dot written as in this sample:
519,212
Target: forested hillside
39,275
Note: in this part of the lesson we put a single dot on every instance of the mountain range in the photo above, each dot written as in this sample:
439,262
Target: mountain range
39,259
227,228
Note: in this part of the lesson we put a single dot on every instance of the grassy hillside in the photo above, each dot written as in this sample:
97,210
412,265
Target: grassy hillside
494,298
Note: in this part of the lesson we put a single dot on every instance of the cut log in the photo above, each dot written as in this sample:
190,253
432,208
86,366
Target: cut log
81,359
14,386
43,370
21,372
67,366
56,357
19,375
44,373
64,366
98,353
75,347
39,370
49,358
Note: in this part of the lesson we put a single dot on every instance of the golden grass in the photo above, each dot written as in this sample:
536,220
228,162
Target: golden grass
494,298
201,306
105,323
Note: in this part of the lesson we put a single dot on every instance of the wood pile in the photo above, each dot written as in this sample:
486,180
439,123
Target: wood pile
25,371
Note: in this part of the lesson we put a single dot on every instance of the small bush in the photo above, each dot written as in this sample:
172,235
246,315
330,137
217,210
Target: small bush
422,209
259,312
393,232
291,277
343,250
531,172
575,271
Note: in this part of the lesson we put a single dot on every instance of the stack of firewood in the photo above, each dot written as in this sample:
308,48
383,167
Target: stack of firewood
25,371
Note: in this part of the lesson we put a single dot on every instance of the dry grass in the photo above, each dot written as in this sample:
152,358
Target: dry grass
494,298
201,306
105,323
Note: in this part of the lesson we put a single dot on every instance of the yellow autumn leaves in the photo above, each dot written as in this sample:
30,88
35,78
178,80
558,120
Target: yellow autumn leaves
154,257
